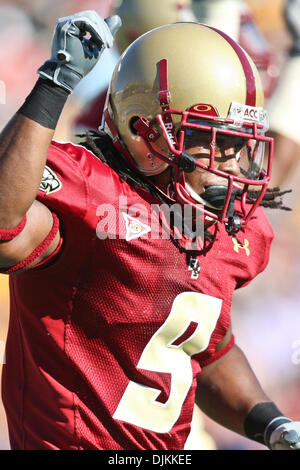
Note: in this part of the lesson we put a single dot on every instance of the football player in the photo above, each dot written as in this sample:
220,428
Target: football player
117,321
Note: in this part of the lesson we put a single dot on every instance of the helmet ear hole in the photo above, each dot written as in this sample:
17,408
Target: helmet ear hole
132,121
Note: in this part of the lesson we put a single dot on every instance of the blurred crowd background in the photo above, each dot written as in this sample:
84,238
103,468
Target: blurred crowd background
266,314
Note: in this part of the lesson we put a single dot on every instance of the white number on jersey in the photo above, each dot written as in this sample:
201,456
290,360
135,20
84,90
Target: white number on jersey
186,331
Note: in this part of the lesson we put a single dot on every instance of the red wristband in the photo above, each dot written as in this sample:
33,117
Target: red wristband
9,234
37,252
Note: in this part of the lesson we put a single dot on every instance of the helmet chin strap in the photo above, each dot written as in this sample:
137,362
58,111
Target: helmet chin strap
214,198
198,198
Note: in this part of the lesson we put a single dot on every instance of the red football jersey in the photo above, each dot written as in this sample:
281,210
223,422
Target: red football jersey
105,343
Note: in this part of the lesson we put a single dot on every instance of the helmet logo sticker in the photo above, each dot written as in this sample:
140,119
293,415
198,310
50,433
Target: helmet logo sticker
50,182
239,113
237,246
134,227
206,109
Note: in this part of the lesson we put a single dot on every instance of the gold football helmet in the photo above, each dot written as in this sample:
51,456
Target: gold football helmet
140,16
186,78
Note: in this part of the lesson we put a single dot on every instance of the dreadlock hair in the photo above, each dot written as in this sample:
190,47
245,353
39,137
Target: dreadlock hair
272,198
101,145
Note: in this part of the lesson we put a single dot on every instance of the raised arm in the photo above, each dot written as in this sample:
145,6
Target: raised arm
25,141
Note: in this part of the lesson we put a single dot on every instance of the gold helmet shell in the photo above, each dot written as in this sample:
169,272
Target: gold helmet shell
204,66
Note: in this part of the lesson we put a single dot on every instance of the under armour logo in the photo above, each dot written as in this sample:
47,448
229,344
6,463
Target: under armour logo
237,246
134,227
194,267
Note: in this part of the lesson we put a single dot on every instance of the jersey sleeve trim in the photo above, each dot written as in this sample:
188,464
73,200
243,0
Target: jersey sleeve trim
219,353
39,250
